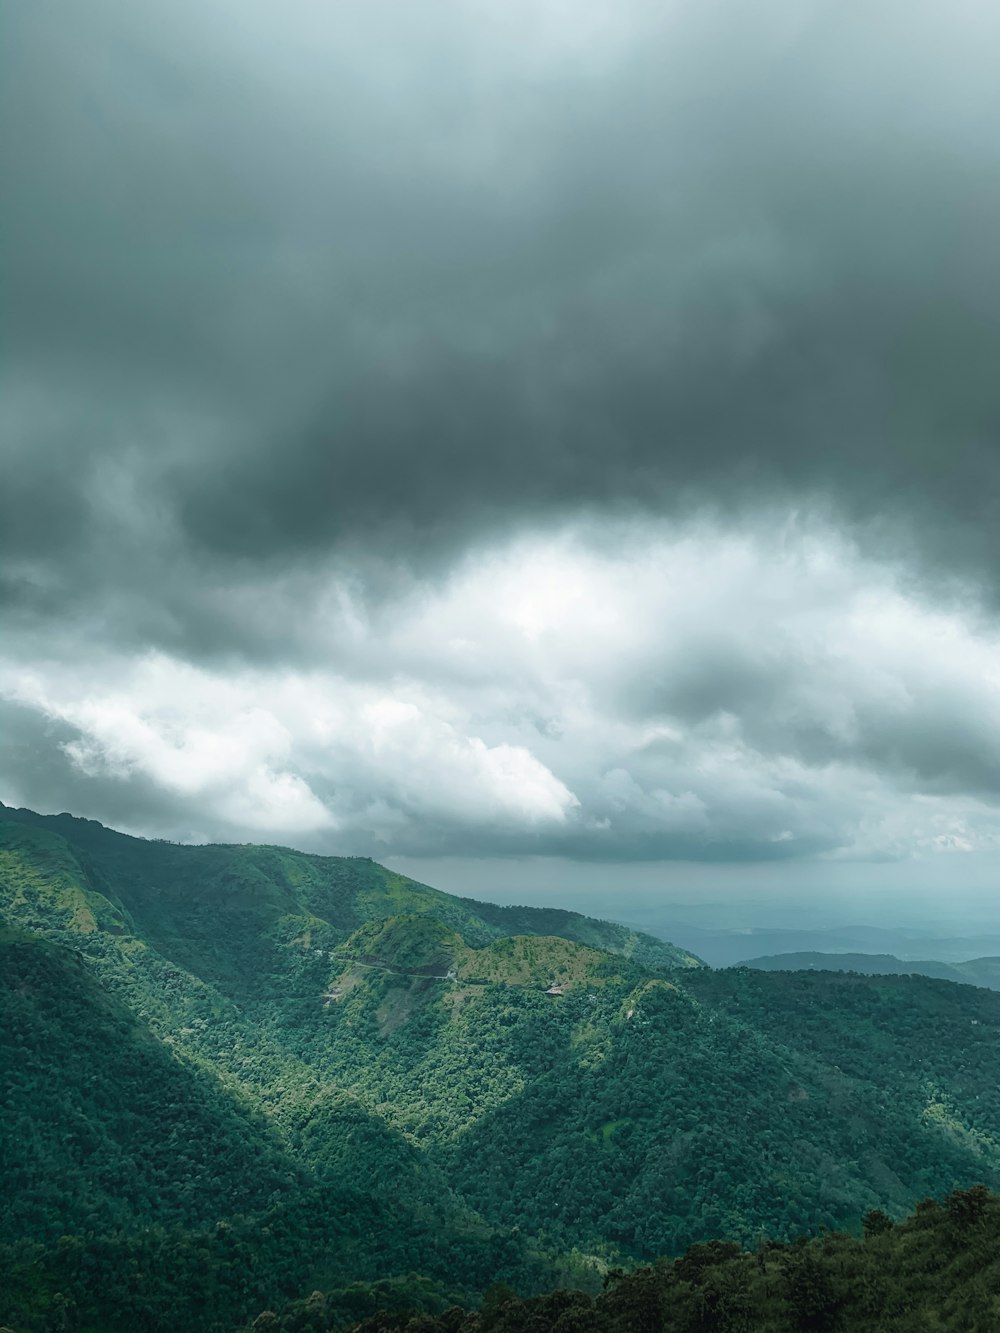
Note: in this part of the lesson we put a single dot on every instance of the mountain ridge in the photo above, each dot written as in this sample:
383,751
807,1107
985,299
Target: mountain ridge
342,892
983,972
473,1100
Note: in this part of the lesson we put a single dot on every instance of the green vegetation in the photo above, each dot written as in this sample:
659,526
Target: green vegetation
232,1075
130,1128
215,910
139,1188
938,1271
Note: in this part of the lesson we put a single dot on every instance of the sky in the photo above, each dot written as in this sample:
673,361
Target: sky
538,443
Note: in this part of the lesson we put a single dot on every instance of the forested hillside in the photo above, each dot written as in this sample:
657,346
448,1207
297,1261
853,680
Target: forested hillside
232,1075
140,1188
938,1270
218,910
124,1126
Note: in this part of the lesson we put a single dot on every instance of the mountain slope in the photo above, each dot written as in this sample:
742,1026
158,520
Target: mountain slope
462,1100
938,1270
740,1102
104,1124
183,900
140,1190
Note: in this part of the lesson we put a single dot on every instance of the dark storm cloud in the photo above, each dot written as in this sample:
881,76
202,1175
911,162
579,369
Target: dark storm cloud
331,281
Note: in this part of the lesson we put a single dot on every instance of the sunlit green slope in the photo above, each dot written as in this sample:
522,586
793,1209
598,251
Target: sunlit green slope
218,910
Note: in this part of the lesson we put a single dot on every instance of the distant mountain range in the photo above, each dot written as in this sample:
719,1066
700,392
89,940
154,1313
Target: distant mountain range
729,947
975,972
231,1075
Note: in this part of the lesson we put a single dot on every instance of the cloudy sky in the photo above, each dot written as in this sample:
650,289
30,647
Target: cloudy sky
463,432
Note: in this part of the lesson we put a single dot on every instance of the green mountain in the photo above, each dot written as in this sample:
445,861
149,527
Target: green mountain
220,911
737,946
975,972
379,1089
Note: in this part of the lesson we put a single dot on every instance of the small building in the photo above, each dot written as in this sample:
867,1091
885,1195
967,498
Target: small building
556,989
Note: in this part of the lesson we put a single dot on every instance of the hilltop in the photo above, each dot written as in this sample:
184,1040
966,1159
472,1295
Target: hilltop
425,947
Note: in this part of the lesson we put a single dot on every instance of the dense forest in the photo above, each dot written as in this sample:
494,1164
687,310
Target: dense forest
938,1270
231,1076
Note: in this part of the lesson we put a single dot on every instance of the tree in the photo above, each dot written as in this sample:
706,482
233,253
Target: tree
875,1223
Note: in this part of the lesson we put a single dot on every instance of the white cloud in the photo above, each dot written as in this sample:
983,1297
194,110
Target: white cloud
658,692
250,750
